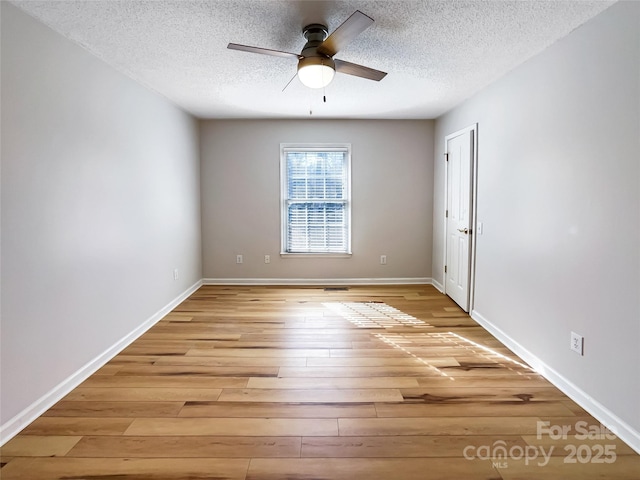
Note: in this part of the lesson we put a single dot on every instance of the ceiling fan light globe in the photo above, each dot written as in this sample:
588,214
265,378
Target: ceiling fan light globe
316,72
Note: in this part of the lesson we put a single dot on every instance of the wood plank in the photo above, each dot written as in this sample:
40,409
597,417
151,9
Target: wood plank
437,426
502,395
109,369
470,409
265,352
136,350
39,446
135,359
77,426
397,446
383,371
167,380
287,344
132,394
276,427
369,395
187,447
211,372
235,362
277,410
374,468
303,335
332,383
66,408
57,468
429,352
184,333
407,361
529,380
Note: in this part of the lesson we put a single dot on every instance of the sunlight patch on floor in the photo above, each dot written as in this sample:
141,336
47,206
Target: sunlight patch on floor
400,343
374,315
484,351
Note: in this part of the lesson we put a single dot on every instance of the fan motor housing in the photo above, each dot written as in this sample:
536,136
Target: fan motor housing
315,34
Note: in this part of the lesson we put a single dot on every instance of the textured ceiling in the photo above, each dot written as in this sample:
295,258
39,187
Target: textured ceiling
436,53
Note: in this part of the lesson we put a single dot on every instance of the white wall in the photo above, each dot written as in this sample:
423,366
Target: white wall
559,197
100,202
392,183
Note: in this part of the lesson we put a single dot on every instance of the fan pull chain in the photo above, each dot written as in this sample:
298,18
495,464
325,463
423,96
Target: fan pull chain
324,87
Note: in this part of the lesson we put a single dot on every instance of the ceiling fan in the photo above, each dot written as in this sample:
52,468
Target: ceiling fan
316,65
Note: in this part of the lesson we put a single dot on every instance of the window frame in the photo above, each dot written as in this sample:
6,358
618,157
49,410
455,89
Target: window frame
313,147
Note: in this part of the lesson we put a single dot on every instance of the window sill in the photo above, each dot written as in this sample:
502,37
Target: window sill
314,255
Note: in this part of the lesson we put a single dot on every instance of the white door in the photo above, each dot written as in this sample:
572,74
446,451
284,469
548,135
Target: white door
458,217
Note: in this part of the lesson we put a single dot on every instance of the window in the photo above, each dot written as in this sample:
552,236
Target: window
316,207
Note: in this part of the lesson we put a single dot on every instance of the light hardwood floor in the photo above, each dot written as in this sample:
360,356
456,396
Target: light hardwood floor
275,383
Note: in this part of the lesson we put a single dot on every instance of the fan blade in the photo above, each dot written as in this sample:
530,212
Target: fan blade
358,70
263,51
289,82
345,33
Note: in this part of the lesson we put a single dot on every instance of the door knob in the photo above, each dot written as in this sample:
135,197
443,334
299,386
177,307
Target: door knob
463,230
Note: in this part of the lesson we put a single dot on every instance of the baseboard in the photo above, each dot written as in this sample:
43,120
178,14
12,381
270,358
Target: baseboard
623,430
438,285
13,426
317,281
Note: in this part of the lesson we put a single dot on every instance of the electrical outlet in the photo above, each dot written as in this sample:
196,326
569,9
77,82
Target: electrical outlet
267,259
383,259
577,343
238,258
175,274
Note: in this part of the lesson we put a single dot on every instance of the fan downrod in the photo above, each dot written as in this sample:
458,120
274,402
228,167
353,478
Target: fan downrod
315,32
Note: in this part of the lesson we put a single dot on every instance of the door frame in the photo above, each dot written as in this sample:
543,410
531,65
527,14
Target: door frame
473,195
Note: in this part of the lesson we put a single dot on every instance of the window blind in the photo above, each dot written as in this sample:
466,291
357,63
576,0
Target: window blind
316,200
